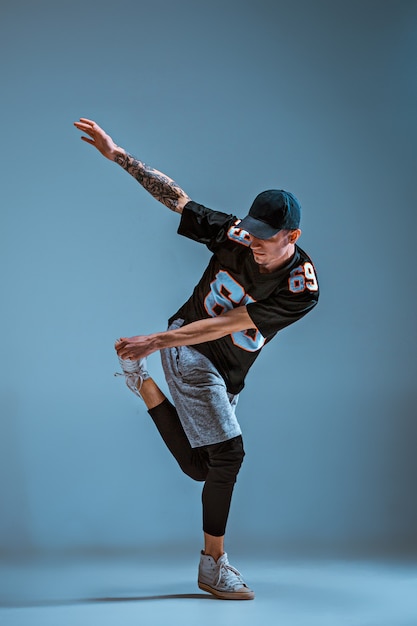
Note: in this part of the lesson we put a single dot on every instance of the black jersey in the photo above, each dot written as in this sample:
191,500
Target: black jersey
232,278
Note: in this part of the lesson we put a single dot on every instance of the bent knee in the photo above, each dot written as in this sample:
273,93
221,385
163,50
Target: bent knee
198,474
227,457
235,451
195,466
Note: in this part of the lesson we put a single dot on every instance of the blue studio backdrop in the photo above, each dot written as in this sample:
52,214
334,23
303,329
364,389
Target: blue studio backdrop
228,98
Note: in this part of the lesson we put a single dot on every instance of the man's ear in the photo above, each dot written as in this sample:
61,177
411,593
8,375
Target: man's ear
293,235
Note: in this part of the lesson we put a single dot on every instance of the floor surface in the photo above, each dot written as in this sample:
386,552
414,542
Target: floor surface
156,592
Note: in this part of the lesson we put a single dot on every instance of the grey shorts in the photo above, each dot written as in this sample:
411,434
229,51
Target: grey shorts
205,407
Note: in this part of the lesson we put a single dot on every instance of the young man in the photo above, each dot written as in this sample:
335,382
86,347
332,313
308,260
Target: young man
257,282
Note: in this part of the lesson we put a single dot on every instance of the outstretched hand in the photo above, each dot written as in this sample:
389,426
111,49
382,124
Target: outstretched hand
134,348
97,137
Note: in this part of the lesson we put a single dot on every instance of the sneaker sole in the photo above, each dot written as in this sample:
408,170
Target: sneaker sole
227,595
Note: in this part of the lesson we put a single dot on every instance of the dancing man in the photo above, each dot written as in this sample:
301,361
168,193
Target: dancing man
258,281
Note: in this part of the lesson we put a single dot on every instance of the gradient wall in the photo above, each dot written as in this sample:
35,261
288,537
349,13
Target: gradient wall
228,98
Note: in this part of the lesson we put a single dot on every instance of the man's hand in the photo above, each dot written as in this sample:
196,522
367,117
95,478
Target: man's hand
99,139
134,347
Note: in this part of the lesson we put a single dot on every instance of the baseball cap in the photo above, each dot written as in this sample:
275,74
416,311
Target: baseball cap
272,211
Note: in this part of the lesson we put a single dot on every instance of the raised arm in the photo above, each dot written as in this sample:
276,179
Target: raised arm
160,186
197,332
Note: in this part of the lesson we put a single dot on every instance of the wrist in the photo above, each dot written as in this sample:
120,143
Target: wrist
158,341
166,339
119,155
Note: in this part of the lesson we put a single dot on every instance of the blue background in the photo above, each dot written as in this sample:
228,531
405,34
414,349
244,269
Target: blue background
229,98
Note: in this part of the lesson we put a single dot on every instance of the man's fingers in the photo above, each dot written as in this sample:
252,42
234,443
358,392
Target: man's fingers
127,348
85,129
85,120
83,125
125,353
122,348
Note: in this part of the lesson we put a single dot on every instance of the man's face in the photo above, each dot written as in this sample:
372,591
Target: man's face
271,253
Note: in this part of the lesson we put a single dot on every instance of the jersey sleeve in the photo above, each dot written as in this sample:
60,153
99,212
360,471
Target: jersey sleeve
204,225
280,310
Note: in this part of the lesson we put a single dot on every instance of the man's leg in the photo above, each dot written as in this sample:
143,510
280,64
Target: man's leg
166,419
151,394
213,546
215,574
224,461
217,465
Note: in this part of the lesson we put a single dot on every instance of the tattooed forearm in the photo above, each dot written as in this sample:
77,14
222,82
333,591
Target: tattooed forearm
160,186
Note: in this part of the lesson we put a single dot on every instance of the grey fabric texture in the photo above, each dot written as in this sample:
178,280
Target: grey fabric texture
205,407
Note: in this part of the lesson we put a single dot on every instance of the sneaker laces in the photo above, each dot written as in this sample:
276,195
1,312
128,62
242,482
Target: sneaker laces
134,372
229,575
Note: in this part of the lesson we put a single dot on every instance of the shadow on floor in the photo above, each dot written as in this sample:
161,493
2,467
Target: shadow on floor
98,600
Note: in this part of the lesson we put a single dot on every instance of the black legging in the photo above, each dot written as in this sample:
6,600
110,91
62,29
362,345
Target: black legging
217,465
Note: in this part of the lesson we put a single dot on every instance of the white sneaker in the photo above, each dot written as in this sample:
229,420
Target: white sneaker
135,373
221,579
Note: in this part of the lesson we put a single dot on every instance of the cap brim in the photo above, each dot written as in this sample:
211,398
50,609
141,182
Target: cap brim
257,228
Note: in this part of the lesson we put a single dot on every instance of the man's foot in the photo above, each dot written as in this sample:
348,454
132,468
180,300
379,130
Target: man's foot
135,373
221,579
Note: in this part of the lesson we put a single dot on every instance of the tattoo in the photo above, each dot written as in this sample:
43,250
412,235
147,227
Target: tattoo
160,186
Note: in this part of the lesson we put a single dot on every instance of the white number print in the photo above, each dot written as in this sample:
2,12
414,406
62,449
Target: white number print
303,277
225,294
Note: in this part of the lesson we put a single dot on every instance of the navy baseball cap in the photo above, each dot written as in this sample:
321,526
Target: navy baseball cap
272,211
